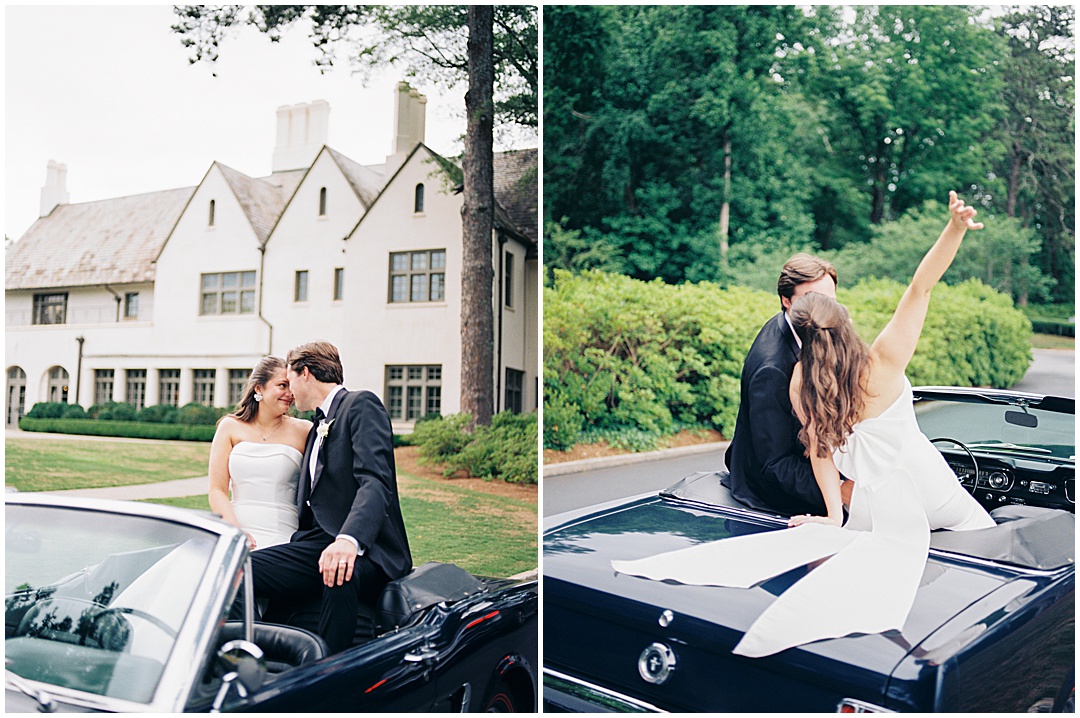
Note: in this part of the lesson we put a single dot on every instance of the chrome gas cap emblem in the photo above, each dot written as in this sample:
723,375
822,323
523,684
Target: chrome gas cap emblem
666,618
656,663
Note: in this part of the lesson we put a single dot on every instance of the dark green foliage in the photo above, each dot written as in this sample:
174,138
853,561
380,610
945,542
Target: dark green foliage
160,414
838,123
1059,319
112,411
504,450
74,411
129,429
198,414
47,410
629,362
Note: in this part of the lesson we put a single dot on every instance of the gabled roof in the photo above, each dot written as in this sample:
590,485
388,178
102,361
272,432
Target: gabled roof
515,197
109,241
261,199
365,181
515,175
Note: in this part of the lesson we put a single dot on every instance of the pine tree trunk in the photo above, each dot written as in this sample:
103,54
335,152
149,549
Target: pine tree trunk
477,323
1013,188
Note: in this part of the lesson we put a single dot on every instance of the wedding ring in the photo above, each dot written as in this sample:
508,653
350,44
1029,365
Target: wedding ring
342,562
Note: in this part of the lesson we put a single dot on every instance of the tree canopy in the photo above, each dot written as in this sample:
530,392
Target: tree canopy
692,142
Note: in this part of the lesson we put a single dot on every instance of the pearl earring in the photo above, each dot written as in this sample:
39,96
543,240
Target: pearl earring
258,396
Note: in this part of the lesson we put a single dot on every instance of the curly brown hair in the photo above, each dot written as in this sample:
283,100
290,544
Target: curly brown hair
834,363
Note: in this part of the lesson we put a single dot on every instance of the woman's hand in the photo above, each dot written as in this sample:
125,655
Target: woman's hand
962,214
808,519
251,541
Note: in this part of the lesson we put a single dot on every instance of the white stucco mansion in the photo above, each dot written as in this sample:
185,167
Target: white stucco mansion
172,296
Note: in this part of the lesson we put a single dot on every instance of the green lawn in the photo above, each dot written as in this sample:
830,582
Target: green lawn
52,465
1052,341
482,533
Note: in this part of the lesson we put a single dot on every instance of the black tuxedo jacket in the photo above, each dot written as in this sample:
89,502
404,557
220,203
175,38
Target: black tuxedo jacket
768,469
355,489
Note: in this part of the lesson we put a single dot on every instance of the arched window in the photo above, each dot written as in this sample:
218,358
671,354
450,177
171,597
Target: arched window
418,202
322,202
16,395
211,223
58,384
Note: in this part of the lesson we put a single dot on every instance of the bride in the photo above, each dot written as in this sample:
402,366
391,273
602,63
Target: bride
256,452
855,406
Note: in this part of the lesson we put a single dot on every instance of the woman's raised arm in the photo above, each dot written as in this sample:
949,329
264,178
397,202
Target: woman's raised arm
896,343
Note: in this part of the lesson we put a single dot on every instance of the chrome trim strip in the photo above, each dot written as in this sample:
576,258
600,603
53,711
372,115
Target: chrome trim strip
585,690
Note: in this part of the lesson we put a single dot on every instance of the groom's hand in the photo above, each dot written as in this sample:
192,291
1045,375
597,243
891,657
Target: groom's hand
336,562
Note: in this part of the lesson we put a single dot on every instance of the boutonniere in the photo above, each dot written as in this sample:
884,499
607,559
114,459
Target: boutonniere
324,428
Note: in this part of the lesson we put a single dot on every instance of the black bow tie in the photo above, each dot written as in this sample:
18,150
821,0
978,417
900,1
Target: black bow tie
319,415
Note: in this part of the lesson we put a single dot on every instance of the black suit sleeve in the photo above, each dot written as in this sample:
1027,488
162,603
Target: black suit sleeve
773,428
373,461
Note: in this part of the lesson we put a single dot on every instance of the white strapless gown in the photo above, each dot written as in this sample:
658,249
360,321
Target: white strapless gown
903,490
264,478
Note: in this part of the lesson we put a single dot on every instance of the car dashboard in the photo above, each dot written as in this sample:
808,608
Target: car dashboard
1004,481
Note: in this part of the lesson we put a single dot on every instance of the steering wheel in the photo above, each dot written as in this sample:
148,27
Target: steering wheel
141,614
974,463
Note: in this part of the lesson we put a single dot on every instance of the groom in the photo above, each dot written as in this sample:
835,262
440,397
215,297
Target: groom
351,538
768,466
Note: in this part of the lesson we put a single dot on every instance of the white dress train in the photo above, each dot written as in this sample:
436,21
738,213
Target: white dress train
263,481
903,490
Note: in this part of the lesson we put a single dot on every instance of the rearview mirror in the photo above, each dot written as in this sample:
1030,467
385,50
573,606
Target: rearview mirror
1021,418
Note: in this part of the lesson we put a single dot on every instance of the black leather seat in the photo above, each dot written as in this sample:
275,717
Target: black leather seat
425,586
283,647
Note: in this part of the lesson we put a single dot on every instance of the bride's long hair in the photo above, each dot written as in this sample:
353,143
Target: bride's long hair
248,408
834,363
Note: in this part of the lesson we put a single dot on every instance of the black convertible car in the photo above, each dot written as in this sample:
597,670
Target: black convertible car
992,627
117,606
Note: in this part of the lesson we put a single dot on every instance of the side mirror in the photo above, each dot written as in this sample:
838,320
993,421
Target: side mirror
242,665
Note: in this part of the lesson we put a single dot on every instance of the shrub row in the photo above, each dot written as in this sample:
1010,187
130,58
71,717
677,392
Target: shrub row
127,429
646,359
1053,326
505,450
189,414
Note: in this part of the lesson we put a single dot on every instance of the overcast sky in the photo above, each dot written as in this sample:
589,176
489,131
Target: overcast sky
109,92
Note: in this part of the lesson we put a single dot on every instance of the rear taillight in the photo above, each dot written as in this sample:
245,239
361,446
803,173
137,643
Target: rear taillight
850,705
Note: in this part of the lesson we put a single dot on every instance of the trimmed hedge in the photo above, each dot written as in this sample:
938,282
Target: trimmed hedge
646,359
127,429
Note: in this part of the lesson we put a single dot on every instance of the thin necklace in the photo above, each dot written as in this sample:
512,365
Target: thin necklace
280,423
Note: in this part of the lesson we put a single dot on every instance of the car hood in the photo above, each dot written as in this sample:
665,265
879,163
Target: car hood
598,622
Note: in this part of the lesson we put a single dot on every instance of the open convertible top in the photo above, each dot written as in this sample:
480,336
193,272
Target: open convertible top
1026,536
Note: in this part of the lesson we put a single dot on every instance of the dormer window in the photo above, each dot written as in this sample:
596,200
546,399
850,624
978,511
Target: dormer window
211,222
418,200
322,202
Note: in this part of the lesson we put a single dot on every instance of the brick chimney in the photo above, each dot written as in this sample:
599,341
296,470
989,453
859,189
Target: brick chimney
301,133
410,109
55,190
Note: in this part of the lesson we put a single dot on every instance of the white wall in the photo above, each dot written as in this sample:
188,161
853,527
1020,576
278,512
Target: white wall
303,240
377,332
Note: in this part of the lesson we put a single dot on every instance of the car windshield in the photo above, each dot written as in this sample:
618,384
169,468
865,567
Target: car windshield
94,600
999,428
